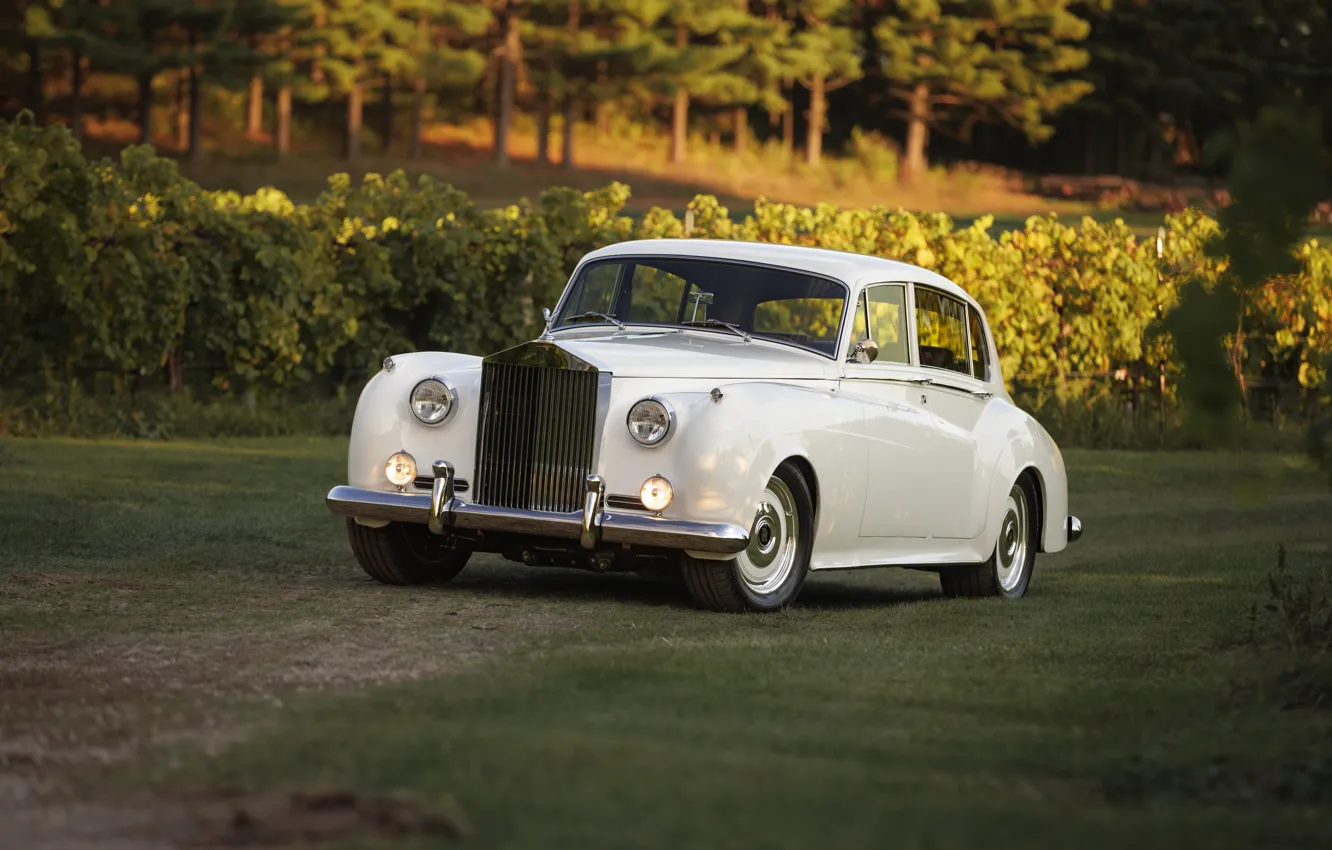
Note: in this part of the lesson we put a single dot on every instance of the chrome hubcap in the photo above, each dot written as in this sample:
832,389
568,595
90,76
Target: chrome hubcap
766,564
1011,551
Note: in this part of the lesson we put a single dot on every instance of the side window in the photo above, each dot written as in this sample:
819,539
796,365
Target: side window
887,322
942,331
980,348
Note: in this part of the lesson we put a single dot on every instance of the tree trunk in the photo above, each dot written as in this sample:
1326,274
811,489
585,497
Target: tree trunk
918,134
601,112
680,109
183,111
818,105
788,128
741,127
386,129
196,112
504,107
36,98
174,370
283,128
543,126
78,67
679,126
146,108
570,114
418,118
254,119
351,147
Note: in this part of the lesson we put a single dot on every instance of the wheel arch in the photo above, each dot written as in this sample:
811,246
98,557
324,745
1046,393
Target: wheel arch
806,468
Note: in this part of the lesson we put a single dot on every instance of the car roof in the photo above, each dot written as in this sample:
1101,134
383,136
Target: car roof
855,270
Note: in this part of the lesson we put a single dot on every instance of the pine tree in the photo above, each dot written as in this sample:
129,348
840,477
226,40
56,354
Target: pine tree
954,63
822,56
354,44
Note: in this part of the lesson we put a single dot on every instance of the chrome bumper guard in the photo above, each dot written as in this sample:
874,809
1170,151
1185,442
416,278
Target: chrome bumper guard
1074,526
443,511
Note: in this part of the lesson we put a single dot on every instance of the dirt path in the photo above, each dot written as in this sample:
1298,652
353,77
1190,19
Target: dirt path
79,708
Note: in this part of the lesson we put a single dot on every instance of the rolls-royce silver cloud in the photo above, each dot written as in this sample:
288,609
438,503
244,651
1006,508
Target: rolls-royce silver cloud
737,414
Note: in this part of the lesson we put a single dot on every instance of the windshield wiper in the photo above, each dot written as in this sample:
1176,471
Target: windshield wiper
718,323
593,314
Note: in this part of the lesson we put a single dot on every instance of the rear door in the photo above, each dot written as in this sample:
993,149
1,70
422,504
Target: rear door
956,367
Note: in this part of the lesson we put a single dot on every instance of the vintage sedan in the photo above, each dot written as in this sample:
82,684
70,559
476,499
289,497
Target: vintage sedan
733,413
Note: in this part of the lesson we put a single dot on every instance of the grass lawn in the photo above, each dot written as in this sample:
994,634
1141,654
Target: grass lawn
181,618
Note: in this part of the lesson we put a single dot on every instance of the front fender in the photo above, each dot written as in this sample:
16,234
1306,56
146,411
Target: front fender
384,422
723,452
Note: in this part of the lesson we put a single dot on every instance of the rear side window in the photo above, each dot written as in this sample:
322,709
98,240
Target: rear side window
980,346
941,328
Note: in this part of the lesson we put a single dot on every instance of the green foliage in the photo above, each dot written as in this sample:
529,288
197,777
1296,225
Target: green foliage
1276,179
957,62
115,275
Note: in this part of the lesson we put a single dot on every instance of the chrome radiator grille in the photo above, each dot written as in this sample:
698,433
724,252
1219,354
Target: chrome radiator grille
534,449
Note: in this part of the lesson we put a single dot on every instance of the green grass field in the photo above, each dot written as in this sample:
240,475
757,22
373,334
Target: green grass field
183,621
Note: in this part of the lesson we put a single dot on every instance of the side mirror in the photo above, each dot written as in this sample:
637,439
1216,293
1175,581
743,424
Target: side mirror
864,352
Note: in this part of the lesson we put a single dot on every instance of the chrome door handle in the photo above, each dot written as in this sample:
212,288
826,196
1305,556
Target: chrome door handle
921,381
982,394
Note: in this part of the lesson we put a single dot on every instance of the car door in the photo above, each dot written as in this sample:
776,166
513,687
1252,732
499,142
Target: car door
901,435
956,395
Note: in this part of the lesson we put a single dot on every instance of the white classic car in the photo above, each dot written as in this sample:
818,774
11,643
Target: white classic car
735,412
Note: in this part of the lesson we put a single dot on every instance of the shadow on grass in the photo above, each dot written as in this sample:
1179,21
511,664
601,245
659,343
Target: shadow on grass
820,593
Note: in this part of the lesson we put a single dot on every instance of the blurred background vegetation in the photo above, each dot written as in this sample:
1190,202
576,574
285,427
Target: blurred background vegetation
222,281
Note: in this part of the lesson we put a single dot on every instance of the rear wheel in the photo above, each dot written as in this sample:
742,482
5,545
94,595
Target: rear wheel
768,575
1008,571
406,553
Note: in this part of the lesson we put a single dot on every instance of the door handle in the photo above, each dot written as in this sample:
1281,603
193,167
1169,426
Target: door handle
921,381
986,394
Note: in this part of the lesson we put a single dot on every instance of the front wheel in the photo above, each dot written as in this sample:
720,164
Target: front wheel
405,553
1008,571
768,575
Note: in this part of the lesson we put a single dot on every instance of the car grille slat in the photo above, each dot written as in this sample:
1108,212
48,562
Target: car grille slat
534,446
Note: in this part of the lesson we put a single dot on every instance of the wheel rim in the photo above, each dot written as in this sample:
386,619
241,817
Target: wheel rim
768,561
1011,551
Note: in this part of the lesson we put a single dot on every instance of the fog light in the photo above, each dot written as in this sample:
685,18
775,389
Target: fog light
400,469
656,494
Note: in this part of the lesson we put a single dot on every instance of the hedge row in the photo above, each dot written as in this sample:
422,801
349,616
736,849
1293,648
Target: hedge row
129,267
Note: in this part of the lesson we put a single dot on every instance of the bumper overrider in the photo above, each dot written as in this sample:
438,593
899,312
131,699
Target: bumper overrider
443,512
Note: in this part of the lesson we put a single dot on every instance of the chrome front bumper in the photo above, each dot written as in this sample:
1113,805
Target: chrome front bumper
443,511
1074,526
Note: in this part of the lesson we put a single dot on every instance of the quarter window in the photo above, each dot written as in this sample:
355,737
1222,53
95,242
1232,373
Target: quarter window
941,328
980,348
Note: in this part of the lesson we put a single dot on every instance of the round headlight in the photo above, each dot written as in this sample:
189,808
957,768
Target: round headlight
656,494
650,421
400,469
433,401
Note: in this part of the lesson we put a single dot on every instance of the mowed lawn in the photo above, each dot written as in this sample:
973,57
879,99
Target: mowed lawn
181,617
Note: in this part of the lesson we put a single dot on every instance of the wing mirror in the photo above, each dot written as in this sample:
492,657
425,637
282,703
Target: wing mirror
863,352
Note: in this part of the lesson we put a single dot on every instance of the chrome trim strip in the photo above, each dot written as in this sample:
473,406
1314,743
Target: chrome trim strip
602,410
722,538
1074,527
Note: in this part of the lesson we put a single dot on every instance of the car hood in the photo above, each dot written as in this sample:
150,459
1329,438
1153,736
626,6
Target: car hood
688,354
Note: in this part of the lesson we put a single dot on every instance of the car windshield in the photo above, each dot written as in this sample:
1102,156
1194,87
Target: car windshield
730,298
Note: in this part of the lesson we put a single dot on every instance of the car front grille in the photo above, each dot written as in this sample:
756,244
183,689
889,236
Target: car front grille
537,432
